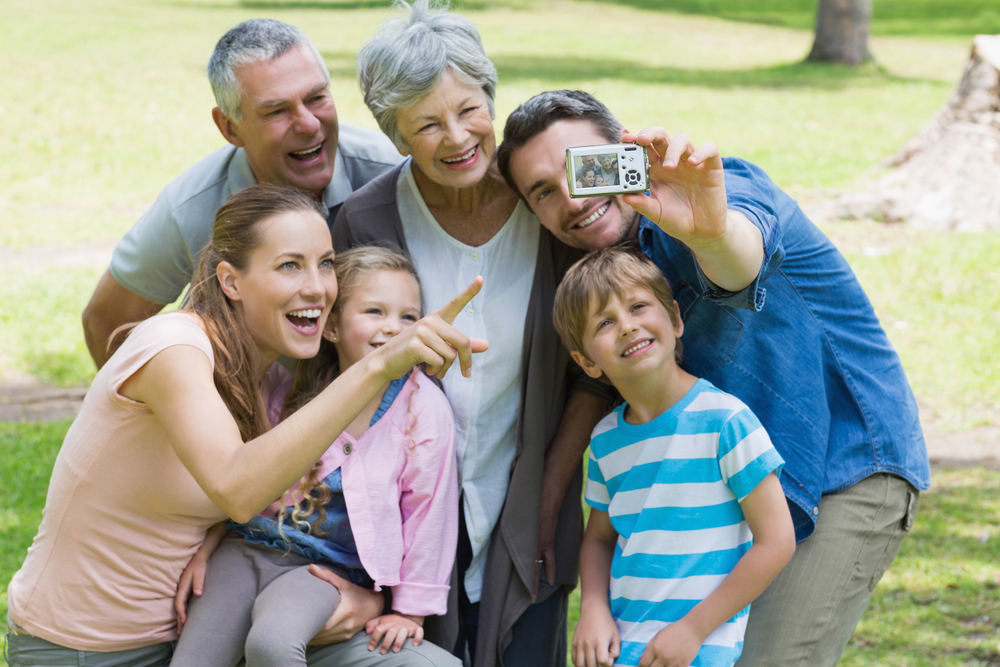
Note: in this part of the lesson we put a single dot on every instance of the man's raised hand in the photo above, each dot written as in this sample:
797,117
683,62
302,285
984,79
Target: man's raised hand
688,187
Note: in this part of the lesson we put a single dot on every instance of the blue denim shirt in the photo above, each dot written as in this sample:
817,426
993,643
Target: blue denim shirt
801,346
336,545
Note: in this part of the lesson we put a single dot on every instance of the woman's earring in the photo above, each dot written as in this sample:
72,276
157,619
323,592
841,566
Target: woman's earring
333,338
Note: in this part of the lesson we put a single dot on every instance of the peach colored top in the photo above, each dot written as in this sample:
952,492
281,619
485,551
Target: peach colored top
122,518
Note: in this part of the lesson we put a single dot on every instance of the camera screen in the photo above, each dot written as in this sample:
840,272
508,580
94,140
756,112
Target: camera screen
598,170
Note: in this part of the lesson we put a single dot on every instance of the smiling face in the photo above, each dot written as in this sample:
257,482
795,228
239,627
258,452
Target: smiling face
539,169
289,127
288,286
629,338
382,306
450,133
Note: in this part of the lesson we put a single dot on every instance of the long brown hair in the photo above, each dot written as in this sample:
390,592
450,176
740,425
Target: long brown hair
236,234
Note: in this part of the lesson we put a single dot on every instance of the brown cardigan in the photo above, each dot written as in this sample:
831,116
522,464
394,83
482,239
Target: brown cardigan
370,216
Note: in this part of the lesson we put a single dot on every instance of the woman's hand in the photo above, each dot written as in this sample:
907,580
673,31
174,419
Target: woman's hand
433,341
395,628
357,607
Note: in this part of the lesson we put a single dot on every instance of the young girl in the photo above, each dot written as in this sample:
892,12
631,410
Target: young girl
384,514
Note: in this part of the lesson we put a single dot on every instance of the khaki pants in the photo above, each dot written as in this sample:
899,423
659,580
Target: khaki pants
809,612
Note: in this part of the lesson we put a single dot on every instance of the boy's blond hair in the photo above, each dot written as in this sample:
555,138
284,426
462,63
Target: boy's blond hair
591,282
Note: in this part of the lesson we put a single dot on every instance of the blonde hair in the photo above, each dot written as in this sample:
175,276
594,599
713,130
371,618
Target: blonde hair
592,281
353,269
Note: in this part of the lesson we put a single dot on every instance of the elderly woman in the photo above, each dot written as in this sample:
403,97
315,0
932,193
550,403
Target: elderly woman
521,423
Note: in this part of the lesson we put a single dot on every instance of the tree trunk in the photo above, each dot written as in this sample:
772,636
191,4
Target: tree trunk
842,28
948,176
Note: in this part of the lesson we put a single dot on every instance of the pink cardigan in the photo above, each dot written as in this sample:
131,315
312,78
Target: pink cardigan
401,490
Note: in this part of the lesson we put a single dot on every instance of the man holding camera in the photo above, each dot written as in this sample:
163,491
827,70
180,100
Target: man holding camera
274,109
774,315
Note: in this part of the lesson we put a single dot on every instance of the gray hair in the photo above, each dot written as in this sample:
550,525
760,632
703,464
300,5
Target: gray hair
249,42
406,58
545,109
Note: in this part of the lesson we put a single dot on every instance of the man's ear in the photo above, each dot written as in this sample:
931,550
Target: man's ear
588,366
226,127
331,331
229,280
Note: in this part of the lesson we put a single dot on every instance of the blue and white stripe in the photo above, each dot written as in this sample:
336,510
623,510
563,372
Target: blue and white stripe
672,488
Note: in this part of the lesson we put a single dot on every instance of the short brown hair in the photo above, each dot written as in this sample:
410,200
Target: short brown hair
596,278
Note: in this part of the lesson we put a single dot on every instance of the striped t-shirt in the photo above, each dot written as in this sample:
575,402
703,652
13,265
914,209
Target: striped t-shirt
672,488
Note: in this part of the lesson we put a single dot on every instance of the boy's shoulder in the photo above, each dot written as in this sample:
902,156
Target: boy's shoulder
703,400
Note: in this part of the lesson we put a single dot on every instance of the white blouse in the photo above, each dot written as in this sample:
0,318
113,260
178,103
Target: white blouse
485,405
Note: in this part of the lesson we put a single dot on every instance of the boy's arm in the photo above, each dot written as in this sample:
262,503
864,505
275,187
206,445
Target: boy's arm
193,577
767,516
596,642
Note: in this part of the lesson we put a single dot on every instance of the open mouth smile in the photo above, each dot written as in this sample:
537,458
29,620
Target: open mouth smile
641,345
309,153
592,217
461,158
306,320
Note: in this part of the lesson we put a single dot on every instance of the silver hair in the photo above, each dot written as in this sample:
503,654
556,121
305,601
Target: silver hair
406,58
249,42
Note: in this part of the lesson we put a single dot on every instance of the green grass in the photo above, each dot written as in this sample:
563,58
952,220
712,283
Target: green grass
27,453
938,605
890,17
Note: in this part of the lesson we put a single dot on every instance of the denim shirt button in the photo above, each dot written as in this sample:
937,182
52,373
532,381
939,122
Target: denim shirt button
815,511
348,448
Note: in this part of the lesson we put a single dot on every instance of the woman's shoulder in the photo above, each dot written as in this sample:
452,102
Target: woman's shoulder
149,338
167,329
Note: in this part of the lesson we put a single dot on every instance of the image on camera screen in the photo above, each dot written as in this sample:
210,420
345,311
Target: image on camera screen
599,170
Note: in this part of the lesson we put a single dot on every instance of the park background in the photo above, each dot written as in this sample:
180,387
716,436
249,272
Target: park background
102,102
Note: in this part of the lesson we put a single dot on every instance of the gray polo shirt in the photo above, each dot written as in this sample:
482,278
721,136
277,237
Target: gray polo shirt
156,258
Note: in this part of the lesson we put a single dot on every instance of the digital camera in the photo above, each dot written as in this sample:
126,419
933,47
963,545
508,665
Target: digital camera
609,169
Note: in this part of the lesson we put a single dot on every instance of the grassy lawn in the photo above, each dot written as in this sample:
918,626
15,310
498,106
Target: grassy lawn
105,101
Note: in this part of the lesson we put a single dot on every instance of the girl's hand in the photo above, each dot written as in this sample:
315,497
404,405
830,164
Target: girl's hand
193,577
192,581
433,341
357,606
394,628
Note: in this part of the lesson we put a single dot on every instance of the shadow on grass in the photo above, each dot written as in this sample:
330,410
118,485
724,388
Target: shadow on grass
319,5
569,70
891,17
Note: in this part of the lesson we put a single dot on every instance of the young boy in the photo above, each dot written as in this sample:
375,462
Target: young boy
688,522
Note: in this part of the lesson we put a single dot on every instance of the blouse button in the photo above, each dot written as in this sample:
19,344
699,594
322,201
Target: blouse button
348,448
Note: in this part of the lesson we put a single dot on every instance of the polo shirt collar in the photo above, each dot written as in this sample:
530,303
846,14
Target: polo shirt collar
241,177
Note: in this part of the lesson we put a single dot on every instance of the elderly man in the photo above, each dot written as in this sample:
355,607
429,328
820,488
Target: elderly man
774,315
275,110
